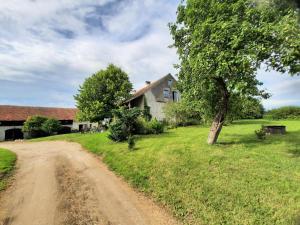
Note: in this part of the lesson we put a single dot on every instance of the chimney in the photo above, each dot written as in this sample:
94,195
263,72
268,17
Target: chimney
148,82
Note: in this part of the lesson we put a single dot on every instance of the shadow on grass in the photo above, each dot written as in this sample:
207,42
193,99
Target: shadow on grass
251,122
250,141
295,152
166,134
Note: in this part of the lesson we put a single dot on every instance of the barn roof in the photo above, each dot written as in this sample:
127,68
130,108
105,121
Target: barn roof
21,113
144,89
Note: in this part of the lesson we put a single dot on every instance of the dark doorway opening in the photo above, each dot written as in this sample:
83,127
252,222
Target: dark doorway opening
13,134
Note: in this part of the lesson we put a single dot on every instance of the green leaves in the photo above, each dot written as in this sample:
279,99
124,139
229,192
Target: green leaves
230,39
101,93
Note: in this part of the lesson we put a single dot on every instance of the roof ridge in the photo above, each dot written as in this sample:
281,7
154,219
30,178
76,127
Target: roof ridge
45,107
144,89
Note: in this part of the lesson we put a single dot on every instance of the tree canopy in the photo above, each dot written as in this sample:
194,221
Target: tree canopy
101,93
222,43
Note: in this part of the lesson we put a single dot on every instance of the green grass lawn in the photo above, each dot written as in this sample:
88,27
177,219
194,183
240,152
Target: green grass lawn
7,163
241,180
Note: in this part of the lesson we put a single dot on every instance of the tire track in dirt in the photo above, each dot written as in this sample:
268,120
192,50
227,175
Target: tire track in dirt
76,203
59,183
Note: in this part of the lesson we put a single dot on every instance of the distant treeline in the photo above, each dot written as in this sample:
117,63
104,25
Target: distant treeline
287,112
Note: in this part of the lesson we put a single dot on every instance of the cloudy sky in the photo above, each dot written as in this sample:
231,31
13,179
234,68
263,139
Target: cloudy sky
47,48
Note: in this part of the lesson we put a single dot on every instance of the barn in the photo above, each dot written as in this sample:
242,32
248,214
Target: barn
12,119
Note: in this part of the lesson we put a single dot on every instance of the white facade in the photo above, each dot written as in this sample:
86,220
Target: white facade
5,128
84,125
155,96
156,108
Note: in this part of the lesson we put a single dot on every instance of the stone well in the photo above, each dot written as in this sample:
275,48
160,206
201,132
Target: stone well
275,129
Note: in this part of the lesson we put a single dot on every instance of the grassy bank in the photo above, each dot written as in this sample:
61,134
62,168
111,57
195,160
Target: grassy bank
7,163
239,181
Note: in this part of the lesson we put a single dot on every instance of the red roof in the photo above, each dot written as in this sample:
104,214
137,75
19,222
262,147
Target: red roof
21,113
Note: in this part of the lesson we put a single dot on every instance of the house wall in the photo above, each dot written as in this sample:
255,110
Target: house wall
155,99
138,102
4,128
158,90
156,108
75,125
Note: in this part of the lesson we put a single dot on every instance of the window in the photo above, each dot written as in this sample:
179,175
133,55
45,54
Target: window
166,93
170,83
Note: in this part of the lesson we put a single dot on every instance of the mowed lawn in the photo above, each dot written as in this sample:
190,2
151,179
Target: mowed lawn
241,180
7,163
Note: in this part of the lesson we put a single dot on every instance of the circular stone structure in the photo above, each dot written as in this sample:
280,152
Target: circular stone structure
275,129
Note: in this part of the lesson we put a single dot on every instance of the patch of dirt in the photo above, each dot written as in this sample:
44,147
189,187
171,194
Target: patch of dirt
76,203
59,183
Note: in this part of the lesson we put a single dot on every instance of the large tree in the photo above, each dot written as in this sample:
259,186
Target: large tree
101,93
222,43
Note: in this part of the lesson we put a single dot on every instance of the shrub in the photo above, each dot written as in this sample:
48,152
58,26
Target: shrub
131,142
128,122
51,126
142,126
156,126
261,133
124,124
117,131
39,126
149,127
32,127
288,112
146,113
181,114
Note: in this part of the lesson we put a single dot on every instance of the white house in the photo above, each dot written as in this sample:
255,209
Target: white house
155,95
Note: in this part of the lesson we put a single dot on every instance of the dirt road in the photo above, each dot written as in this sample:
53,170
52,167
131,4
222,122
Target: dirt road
60,183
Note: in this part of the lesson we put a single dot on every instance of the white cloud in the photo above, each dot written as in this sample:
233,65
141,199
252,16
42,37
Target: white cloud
52,41
47,48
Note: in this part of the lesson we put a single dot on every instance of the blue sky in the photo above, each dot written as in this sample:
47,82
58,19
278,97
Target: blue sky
47,48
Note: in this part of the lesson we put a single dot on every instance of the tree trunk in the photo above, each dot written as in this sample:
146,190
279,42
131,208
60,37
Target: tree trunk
219,118
216,128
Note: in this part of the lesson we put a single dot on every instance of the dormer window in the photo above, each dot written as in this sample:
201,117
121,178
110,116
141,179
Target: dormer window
166,93
170,82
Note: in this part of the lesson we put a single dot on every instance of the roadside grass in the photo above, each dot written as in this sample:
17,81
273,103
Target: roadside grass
7,164
241,180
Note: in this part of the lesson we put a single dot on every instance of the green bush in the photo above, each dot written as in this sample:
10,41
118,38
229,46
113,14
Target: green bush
129,122
287,112
117,131
149,127
261,133
142,126
32,127
124,124
156,126
131,142
181,114
51,126
39,126
146,113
